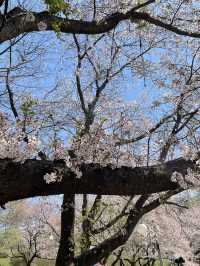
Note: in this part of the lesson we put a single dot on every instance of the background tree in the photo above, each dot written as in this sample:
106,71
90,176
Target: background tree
30,231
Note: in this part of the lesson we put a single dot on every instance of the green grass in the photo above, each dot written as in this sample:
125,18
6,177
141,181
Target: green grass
4,262
41,262
165,263
157,263
37,262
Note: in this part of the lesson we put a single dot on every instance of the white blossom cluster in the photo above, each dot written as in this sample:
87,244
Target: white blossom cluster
189,153
12,144
191,180
99,146
50,178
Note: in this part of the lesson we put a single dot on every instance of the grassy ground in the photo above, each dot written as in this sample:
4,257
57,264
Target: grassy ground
157,263
39,262
4,262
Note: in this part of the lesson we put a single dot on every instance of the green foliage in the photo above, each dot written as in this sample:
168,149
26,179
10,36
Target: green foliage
58,6
56,28
27,107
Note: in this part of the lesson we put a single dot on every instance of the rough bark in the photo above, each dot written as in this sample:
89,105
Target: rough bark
86,226
21,21
19,181
65,255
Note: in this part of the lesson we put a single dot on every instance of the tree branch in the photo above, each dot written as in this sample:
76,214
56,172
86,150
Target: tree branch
113,221
28,22
107,246
28,178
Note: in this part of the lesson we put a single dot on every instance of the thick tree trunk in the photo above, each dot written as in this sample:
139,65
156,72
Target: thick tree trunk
19,181
65,255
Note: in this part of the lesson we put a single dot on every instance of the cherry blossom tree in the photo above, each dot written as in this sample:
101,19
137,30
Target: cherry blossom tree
37,231
118,114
